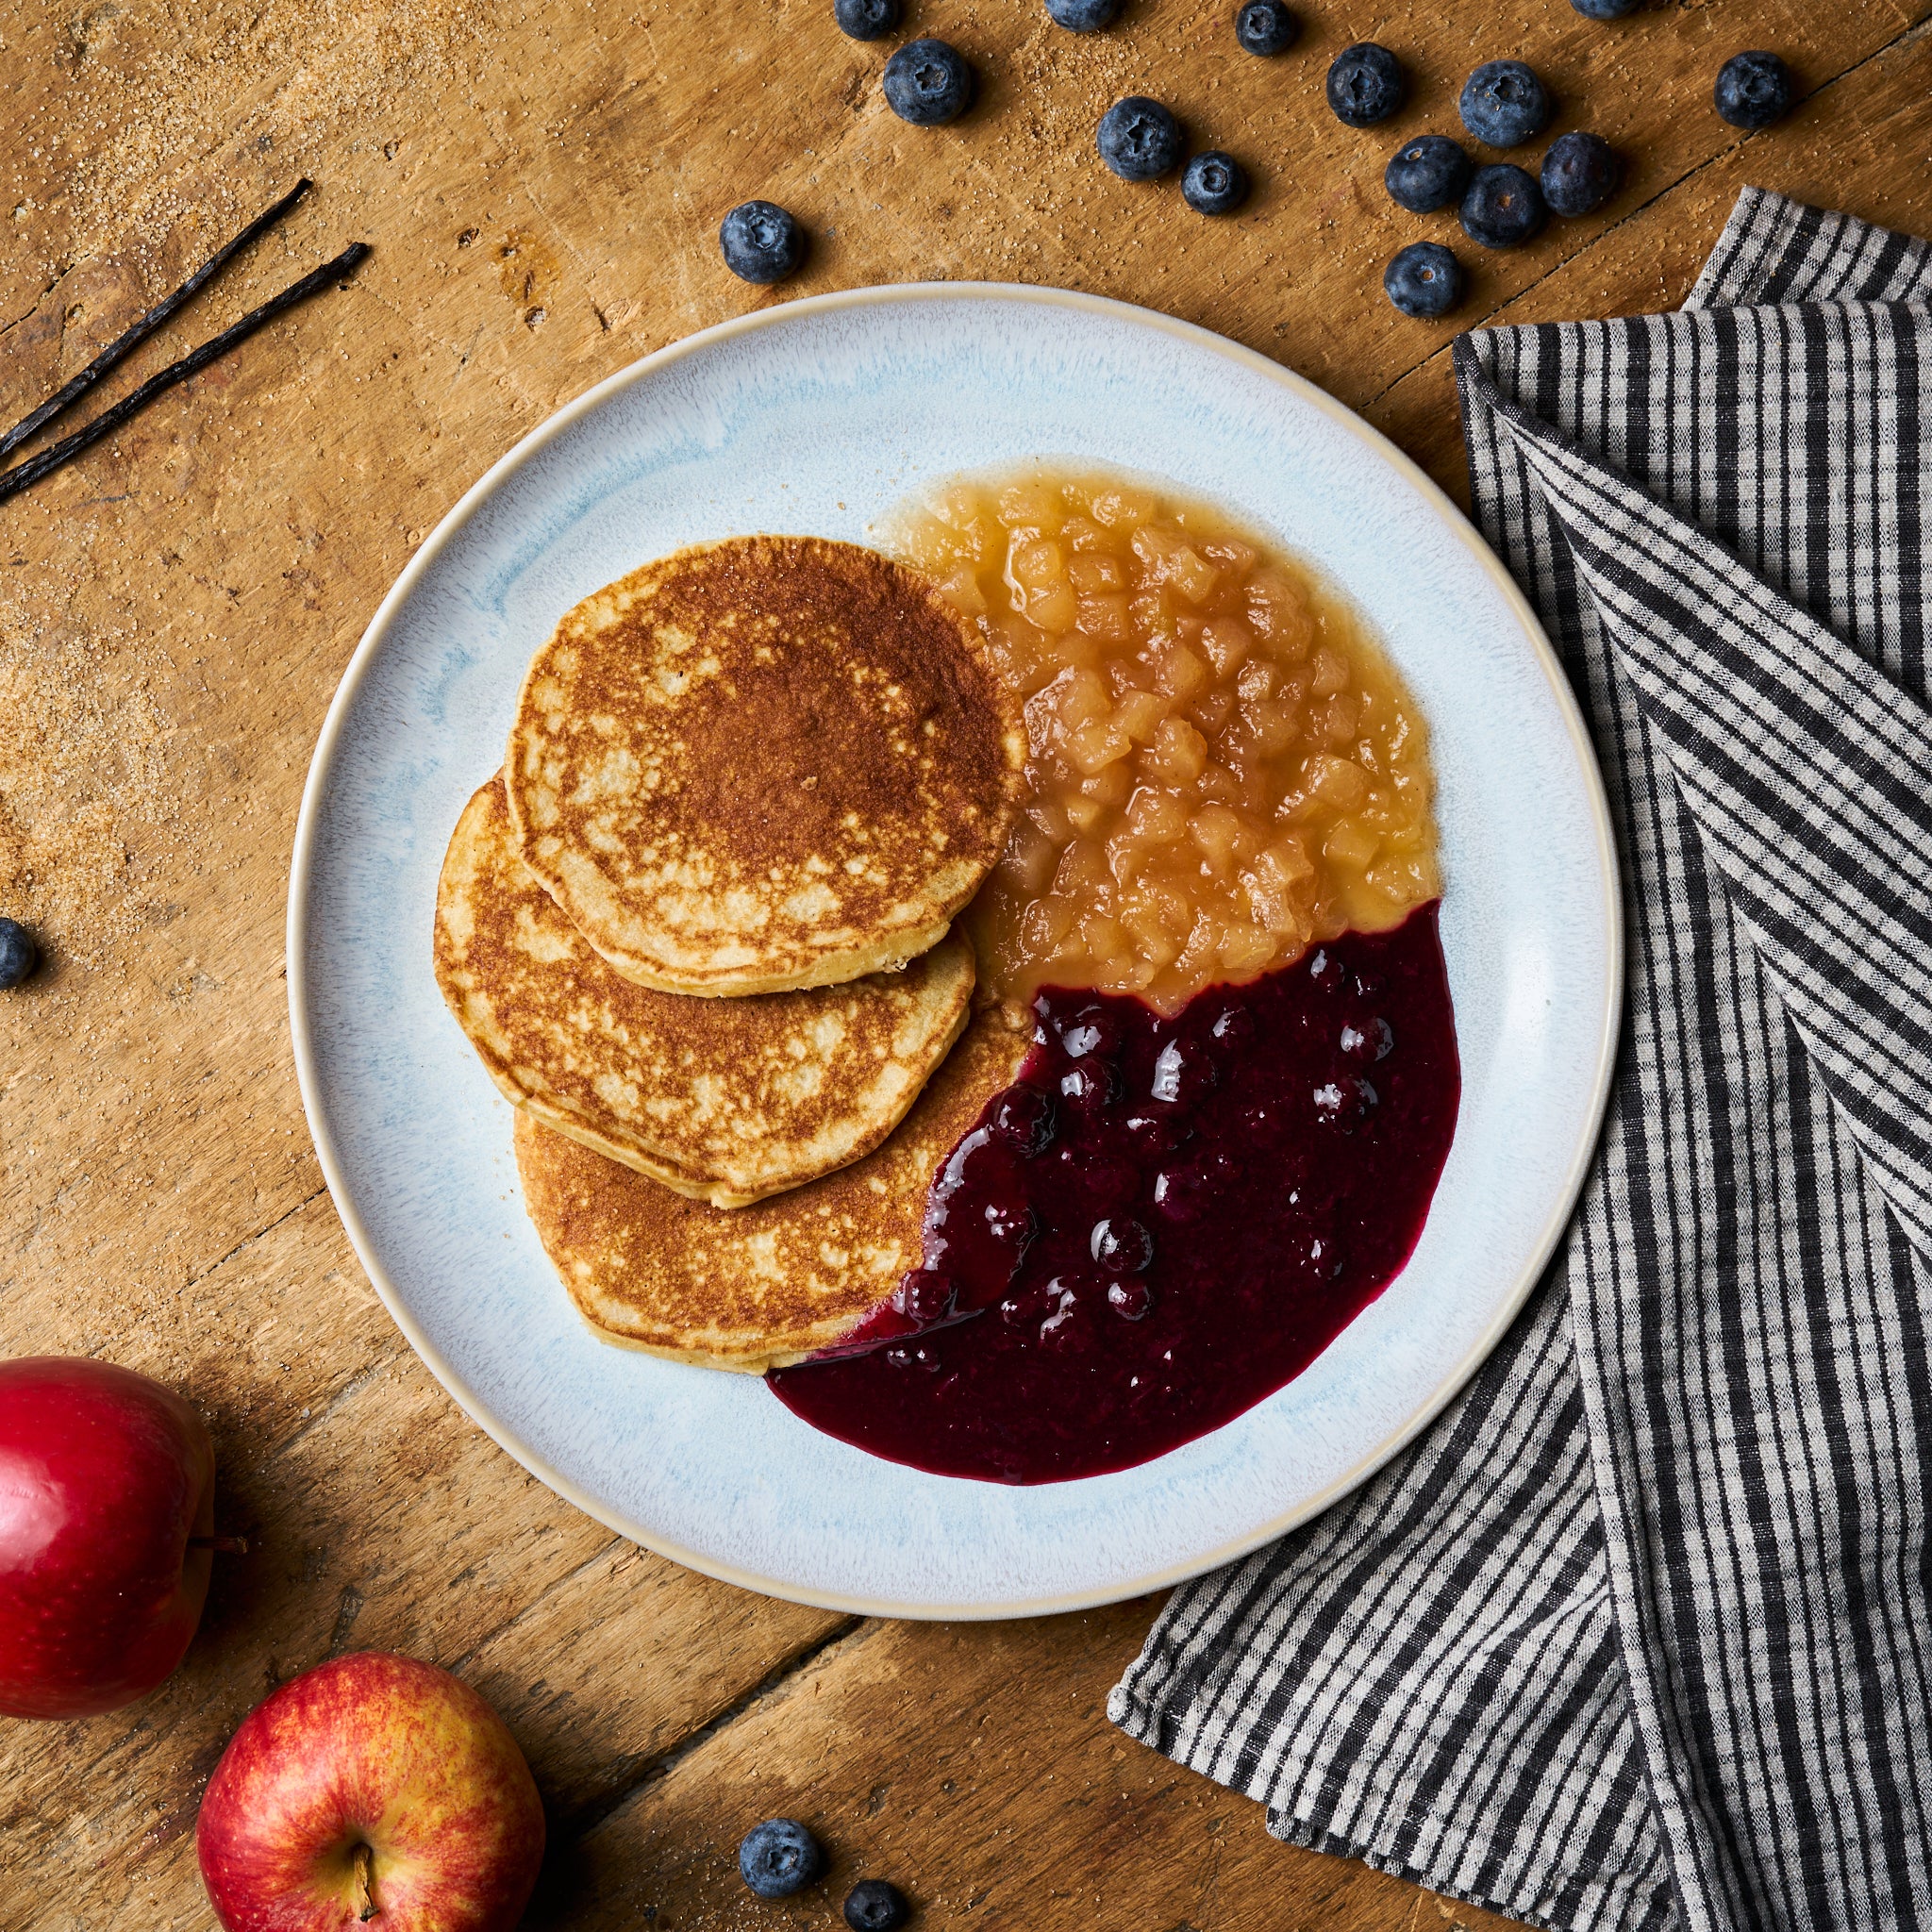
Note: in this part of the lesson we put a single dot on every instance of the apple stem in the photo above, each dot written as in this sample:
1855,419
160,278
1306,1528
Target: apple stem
222,1545
365,1882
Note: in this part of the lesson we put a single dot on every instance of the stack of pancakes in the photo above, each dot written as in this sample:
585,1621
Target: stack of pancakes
699,930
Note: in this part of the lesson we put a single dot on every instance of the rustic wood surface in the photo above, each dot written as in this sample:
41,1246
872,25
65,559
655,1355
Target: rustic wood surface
542,185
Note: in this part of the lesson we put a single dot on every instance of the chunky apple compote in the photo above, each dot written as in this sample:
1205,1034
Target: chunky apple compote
1223,768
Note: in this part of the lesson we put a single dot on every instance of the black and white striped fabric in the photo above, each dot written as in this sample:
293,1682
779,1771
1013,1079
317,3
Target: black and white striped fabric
1640,1635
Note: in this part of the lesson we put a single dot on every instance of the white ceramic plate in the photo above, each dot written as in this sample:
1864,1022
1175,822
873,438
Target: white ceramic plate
817,417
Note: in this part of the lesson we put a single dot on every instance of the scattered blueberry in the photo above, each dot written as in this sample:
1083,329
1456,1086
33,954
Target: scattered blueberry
1579,173
929,83
778,1858
1082,16
1215,184
866,20
1366,84
1121,1245
1504,207
19,953
1753,90
1266,26
1505,104
761,242
1139,139
1431,172
1424,280
1130,1300
1605,9
875,1904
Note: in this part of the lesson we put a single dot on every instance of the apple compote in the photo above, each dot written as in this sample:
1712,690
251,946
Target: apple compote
1223,768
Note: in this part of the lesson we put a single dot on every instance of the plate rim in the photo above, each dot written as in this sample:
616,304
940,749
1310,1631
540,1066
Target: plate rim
369,648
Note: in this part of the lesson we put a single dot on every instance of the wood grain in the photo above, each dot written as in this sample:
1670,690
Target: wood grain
543,186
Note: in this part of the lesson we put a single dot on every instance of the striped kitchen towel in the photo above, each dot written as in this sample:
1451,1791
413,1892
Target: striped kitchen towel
1640,1634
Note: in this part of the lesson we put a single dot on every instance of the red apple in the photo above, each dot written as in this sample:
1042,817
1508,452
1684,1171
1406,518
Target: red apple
372,1788
104,1477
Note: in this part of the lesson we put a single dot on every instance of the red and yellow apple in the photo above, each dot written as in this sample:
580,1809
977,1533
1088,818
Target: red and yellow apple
106,1514
372,1790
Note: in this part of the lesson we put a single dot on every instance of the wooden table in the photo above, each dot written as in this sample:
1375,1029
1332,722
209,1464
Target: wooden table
542,184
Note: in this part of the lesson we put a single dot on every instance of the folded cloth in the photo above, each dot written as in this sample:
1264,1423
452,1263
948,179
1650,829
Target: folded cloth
1638,1636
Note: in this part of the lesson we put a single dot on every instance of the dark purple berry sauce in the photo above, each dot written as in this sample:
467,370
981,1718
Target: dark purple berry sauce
1162,1221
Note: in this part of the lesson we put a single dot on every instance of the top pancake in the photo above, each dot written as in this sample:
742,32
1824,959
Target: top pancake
760,764
770,1284
727,1100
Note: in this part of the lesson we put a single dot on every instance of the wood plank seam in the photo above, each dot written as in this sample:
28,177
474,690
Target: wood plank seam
249,1241
662,1763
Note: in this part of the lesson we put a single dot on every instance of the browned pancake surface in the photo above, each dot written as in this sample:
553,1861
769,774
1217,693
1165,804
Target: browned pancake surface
729,1100
766,763
767,1284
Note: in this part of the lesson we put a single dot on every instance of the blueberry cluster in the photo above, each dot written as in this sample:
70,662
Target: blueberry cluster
1140,139
781,1856
1502,104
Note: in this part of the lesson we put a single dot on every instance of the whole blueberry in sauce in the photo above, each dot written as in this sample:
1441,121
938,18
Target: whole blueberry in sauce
1023,1117
1120,1246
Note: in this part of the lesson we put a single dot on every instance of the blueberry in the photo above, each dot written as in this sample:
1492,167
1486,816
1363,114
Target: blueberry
875,1904
1082,16
926,1295
1327,970
1753,90
866,20
1266,26
1504,104
1023,1117
1579,173
1139,139
1215,184
1424,280
19,953
1121,1245
1504,206
1130,1300
1091,1085
1366,84
1182,1075
929,83
778,1858
1374,1039
761,242
1430,172
1605,9
1093,1031
1345,1103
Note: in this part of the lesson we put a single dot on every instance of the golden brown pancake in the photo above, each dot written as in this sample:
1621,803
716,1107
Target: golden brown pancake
767,764
726,1100
769,1284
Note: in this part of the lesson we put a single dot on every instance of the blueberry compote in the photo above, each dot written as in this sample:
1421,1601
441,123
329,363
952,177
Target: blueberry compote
1162,1221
